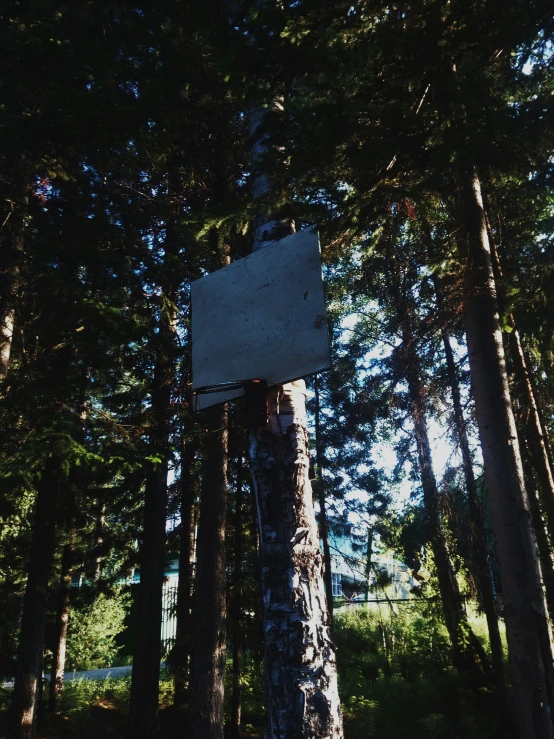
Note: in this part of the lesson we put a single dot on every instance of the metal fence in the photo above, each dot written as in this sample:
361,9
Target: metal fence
169,616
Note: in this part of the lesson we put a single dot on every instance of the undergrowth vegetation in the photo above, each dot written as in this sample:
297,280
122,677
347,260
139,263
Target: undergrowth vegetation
396,682
93,630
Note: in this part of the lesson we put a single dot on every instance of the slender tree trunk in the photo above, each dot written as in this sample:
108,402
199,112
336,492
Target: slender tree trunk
527,624
11,251
7,321
524,393
147,652
31,646
67,564
543,543
209,610
478,534
324,524
542,420
468,653
100,526
300,664
535,499
62,621
369,558
145,677
236,607
181,651
208,646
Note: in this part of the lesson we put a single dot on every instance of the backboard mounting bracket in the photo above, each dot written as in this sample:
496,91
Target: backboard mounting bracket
255,403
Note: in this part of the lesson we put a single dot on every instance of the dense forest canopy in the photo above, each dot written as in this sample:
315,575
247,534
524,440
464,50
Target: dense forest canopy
147,144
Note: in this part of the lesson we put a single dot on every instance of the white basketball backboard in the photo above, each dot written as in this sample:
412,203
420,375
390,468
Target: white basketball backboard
262,317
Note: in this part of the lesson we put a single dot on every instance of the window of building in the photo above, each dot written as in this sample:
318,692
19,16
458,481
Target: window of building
337,584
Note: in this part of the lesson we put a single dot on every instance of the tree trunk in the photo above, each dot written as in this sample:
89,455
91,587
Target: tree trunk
369,560
147,653
62,621
468,654
324,525
11,252
7,320
535,498
208,645
524,393
31,645
181,651
545,550
74,483
478,533
527,624
236,606
100,526
300,665
542,420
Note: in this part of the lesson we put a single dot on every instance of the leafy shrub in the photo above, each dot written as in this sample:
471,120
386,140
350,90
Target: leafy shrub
359,715
92,632
396,678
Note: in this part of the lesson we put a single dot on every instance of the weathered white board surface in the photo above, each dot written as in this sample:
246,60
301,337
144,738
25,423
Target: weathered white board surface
262,317
205,400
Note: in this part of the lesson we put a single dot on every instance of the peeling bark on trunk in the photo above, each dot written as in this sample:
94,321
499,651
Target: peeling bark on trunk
300,665
527,623
208,638
478,534
29,664
181,651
